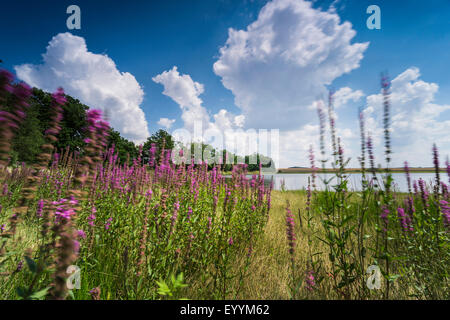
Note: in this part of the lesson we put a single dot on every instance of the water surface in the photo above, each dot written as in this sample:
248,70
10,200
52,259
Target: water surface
298,181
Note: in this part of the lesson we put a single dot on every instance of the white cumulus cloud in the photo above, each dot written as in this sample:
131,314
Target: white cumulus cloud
166,122
417,121
93,79
346,94
186,93
283,61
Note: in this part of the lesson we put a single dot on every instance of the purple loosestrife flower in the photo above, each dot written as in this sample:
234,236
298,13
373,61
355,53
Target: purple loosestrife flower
310,280
91,219
52,131
76,246
403,219
408,176
290,233
189,214
313,166
385,85
63,209
340,152
152,155
444,190
40,207
5,78
384,216
174,216
363,140
108,223
409,203
445,213
19,266
22,115
436,167
416,188
22,92
94,115
371,159
321,115
230,241
423,193
64,213
59,97
73,201
250,250
332,119
95,293
447,163
81,234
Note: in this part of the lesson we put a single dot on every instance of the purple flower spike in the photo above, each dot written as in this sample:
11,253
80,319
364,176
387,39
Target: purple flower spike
59,97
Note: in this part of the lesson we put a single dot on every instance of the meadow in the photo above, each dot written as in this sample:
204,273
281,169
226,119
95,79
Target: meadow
150,229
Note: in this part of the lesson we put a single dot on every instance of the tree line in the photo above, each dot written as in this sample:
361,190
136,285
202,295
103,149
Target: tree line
27,143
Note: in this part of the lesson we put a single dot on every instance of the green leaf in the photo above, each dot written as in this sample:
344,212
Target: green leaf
71,294
40,295
21,292
163,289
31,264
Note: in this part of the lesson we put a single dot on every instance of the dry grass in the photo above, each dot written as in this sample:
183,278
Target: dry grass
269,272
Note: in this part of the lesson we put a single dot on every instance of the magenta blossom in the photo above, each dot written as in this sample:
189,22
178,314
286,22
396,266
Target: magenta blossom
76,246
108,223
81,234
445,213
310,280
40,207
92,217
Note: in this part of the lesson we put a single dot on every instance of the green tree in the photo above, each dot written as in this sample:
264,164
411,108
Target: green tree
26,145
160,138
29,138
73,125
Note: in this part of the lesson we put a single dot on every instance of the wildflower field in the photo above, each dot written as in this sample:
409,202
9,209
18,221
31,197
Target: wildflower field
150,229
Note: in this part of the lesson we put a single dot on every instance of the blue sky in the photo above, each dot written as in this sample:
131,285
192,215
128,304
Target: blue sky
147,38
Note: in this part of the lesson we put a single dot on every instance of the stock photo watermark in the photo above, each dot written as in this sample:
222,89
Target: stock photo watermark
74,20
374,21
74,280
254,144
374,280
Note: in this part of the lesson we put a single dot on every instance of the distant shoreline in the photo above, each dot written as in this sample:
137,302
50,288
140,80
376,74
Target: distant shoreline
358,170
347,170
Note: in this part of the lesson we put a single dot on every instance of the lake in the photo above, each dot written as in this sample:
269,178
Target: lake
298,181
